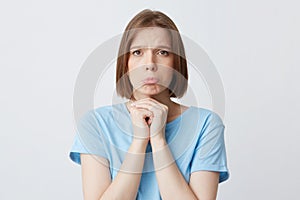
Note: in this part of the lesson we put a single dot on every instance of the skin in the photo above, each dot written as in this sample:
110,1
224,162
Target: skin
151,110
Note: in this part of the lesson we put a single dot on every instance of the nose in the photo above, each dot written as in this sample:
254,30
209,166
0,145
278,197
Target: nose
151,67
150,62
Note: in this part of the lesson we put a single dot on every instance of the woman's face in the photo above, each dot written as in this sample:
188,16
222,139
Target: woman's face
150,64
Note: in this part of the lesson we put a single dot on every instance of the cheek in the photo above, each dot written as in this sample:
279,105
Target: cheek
135,75
167,76
132,63
131,71
133,68
132,77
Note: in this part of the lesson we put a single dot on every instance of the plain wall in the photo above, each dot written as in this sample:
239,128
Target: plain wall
253,44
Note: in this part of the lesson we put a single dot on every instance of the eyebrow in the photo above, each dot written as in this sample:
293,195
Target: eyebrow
157,47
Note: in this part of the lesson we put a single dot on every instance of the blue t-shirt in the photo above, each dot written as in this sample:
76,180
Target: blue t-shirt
195,138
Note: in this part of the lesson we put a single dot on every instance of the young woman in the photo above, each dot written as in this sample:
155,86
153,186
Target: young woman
151,147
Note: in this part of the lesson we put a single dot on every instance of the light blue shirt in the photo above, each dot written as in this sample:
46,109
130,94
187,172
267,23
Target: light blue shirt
195,138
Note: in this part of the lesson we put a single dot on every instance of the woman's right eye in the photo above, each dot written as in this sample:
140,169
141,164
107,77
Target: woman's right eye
136,52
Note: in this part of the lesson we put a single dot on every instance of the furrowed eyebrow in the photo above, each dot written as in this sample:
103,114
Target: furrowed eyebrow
157,47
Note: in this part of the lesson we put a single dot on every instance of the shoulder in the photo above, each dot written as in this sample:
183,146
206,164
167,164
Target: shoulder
99,115
108,115
104,111
206,116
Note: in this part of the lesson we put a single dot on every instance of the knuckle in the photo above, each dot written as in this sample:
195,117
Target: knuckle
160,112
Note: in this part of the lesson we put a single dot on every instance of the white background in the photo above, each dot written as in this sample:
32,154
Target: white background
254,45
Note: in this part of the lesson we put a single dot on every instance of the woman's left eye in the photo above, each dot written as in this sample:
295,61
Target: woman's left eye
136,52
163,52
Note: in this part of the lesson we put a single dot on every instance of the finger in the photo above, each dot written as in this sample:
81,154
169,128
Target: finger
130,106
146,115
133,106
147,100
150,120
153,109
151,101
143,112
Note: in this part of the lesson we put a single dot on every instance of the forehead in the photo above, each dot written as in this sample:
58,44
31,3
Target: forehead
151,37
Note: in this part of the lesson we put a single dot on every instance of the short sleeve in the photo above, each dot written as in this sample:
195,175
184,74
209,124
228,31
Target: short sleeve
210,152
88,138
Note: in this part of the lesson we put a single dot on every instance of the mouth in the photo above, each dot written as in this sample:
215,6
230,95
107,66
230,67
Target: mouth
150,80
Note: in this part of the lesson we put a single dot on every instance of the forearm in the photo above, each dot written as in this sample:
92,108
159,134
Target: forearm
126,183
172,184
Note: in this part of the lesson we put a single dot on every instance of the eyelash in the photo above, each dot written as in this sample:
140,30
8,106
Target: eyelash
164,52
133,52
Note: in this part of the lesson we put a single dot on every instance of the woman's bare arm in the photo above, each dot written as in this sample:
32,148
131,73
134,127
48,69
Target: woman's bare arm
95,176
96,179
203,184
172,184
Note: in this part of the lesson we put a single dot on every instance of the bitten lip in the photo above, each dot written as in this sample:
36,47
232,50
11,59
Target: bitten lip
150,80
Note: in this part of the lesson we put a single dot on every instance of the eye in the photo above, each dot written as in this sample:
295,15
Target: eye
163,52
136,52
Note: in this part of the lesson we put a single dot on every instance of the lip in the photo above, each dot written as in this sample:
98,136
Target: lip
150,80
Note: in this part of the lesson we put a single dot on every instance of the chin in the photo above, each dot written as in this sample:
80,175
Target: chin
145,93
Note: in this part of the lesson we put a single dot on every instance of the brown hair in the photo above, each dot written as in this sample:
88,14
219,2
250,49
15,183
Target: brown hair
149,18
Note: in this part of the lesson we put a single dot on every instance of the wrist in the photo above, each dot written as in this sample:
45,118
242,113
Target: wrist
139,145
157,143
